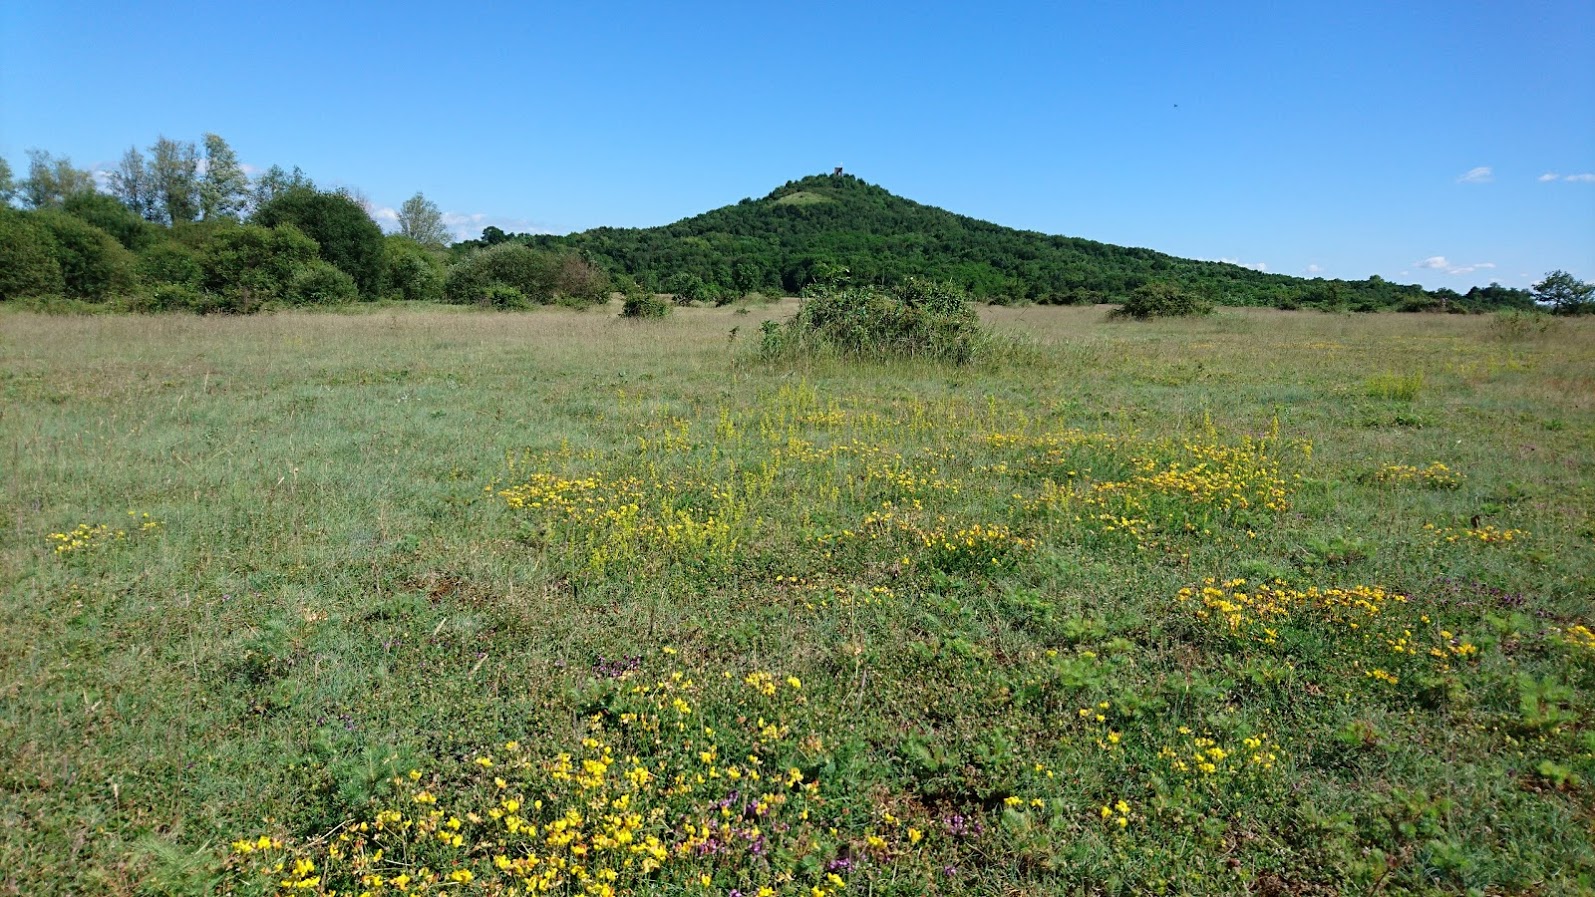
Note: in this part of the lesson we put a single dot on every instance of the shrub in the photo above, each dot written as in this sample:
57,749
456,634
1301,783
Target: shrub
644,305
1513,325
502,295
411,272
345,235
918,319
580,281
1162,300
169,297
538,276
93,265
321,283
514,265
170,263
108,214
27,263
687,287
248,265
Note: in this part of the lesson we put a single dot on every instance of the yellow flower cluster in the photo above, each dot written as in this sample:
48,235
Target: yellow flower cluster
946,545
1435,476
1116,813
598,822
1488,534
1577,636
1211,474
91,535
1203,758
629,520
1255,613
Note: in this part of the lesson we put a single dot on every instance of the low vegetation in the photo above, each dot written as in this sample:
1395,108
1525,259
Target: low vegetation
425,601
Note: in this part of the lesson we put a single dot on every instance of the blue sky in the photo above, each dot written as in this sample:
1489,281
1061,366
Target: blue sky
1415,140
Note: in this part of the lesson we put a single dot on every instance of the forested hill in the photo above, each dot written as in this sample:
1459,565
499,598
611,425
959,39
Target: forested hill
809,229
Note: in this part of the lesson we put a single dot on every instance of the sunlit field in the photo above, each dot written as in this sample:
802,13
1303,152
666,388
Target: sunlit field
450,602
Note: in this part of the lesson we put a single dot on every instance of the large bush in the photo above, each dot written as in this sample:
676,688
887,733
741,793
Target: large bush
170,263
94,266
644,305
27,262
540,276
507,264
345,235
249,265
108,214
917,319
319,283
578,281
1162,300
410,271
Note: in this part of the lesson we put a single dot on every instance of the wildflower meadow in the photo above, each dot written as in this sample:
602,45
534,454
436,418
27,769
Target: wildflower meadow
433,601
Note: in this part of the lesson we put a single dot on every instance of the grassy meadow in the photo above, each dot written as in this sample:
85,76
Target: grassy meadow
441,601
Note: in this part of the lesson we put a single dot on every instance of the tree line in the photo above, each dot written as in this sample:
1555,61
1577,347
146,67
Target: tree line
182,225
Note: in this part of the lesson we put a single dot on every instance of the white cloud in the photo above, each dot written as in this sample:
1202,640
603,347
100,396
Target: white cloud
386,214
1583,178
1255,266
1481,175
1315,269
1441,263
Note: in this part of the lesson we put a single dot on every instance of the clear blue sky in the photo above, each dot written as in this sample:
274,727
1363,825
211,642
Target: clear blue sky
1412,140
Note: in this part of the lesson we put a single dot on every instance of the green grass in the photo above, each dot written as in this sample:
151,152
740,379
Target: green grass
803,198
396,541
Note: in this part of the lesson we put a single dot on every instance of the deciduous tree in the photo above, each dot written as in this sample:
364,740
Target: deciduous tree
224,192
276,181
132,184
8,187
175,173
51,180
1565,294
421,220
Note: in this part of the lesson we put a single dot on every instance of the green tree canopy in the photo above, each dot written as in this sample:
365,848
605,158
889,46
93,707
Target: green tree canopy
346,235
1565,294
115,218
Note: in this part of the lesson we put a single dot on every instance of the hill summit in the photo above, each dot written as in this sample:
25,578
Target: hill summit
820,226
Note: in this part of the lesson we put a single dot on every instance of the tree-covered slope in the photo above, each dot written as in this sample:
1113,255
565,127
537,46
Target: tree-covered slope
809,229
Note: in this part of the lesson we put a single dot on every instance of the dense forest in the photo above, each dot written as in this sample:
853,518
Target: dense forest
184,227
